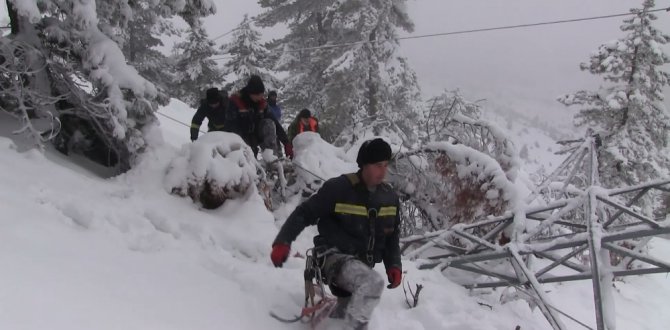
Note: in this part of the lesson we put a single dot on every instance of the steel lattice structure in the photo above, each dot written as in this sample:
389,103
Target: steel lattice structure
587,220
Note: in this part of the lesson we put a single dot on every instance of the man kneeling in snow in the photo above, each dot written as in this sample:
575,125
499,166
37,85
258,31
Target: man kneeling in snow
358,223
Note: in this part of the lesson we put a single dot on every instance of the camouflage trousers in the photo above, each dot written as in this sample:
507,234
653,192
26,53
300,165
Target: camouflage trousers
365,285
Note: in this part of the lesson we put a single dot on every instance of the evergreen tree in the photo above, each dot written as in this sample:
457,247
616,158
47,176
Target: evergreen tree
364,84
628,112
196,70
249,57
144,33
75,58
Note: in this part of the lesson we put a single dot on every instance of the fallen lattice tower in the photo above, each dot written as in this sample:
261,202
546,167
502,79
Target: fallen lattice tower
581,227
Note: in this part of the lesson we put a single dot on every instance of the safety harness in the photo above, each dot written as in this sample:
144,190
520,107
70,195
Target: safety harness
318,303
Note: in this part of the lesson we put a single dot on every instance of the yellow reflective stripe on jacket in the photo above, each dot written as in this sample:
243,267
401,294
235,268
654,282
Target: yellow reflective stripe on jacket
354,209
386,211
351,209
218,126
195,125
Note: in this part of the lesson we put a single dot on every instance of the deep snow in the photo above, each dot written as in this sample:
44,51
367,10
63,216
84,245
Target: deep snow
82,252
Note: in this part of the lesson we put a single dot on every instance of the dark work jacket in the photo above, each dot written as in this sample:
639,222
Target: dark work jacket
216,118
242,114
243,118
340,210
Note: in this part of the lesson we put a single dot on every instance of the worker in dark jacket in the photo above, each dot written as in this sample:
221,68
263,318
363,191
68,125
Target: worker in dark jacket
275,109
357,218
248,117
213,107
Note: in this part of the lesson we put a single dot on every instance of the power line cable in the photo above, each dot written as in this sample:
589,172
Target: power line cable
224,34
177,120
508,27
505,27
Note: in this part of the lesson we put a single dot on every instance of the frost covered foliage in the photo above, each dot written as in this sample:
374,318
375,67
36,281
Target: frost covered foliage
446,184
449,117
628,113
249,57
364,82
217,167
144,33
23,103
196,68
85,68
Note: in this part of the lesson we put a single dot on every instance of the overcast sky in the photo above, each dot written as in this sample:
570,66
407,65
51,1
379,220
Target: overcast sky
525,69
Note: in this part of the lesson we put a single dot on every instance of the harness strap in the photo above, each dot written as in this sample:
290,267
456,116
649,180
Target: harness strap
353,178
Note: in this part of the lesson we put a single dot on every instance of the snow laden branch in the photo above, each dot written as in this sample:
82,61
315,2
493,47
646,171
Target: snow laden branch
79,73
450,117
450,184
19,62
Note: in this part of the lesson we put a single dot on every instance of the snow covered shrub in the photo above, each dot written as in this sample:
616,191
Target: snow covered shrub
217,167
76,62
450,117
450,184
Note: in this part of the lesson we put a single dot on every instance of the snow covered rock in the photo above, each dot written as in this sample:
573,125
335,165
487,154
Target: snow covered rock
217,167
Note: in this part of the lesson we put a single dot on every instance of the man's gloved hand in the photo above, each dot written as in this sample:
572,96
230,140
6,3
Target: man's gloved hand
395,276
279,253
288,149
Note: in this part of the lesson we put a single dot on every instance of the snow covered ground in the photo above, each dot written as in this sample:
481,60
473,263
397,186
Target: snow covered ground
81,252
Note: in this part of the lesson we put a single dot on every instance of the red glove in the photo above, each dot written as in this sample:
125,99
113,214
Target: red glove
279,254
288,149
395,276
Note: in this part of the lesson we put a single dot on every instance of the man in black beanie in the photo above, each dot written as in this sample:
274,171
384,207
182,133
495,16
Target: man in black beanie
213,107
275,109
248,117
357,218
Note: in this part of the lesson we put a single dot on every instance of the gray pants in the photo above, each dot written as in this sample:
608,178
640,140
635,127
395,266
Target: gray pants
267,136
365,285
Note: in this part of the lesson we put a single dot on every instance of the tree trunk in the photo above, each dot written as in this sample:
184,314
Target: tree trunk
13,17
373,88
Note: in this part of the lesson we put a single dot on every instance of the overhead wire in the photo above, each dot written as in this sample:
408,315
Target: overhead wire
224,34
178,121
441,34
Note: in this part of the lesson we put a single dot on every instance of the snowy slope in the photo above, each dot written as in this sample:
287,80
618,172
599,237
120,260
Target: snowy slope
81,252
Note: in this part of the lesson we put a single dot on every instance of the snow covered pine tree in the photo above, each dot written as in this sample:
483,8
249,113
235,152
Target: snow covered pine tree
196,70
249,57
83,67
349,88
628,113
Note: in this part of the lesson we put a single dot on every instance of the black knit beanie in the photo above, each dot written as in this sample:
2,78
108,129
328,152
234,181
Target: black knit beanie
213,96
304,113
255,85
373,151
